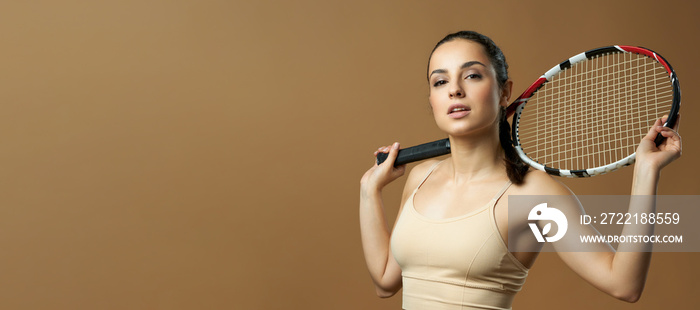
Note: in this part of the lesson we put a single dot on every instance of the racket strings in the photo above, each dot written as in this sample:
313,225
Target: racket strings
595,112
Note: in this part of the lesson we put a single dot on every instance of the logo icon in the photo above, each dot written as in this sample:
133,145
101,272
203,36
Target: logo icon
542,212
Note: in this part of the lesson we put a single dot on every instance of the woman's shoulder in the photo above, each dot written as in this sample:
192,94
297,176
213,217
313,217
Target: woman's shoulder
425,166
540,183
419,172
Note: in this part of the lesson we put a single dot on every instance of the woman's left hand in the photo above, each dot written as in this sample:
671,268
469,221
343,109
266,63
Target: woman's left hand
656,157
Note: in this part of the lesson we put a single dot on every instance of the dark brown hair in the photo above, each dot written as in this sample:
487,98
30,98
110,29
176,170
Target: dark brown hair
515,167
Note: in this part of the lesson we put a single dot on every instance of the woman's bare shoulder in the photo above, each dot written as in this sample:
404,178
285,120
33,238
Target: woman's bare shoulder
424,167
540,183
418,172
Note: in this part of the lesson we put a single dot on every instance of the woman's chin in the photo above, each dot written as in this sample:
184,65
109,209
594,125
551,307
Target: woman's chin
468,132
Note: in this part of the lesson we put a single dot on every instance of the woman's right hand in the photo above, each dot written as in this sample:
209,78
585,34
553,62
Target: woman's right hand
380,175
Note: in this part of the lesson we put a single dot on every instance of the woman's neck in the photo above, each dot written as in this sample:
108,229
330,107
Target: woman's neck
476,157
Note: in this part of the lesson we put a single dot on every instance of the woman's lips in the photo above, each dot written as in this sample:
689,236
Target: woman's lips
458,111
459,114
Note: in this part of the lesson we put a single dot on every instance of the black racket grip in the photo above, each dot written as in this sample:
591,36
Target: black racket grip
418,152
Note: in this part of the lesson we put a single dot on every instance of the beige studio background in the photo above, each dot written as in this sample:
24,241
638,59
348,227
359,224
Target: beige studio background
207,154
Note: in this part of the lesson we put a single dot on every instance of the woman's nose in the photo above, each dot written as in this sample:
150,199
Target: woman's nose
456,92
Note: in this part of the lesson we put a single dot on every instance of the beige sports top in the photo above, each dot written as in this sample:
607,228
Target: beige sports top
455,263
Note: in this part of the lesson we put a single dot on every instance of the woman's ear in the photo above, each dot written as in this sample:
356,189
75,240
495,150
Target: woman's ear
506,90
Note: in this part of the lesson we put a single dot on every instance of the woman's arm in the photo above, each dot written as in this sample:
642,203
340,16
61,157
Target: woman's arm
374,229
385,272
622,274
383,268
631,262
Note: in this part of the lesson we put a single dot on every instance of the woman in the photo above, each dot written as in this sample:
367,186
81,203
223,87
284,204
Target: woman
462,196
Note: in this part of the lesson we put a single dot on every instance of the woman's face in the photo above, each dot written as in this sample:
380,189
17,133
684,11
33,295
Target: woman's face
464,92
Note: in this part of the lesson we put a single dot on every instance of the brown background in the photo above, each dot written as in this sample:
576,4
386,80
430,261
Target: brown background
207,154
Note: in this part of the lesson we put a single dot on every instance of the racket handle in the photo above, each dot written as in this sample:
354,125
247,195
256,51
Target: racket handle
418,152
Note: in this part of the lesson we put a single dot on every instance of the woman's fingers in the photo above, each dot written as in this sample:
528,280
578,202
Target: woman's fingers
666,152
381,149
385,173
393,151
670,134
676,125
393,154
658,128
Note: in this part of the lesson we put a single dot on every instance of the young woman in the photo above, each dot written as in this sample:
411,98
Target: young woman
448,248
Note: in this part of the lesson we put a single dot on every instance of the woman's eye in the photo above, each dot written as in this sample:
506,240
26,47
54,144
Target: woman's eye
438,83
473,76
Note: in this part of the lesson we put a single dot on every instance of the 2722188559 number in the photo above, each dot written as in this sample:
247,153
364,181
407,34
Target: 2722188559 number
639,218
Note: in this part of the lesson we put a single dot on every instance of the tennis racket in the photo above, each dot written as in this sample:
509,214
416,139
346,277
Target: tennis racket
586,115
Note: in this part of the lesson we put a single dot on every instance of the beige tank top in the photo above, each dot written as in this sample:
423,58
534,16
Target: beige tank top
455,263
